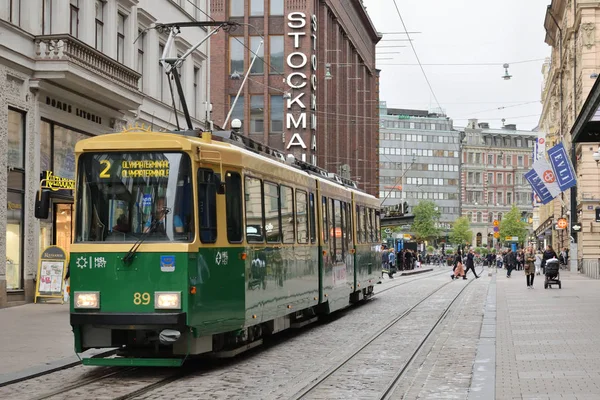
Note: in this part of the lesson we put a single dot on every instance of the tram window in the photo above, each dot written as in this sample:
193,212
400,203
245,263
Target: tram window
349,224
287,215
207,205
343,225
254,210
378,225
272,217
336,232
358,225
301,216
371,238
325,225
363,211
311,207
233,198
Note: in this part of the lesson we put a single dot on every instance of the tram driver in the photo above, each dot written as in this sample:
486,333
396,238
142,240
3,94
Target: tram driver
160,215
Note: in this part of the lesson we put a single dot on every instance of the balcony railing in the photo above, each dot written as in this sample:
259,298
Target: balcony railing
68,48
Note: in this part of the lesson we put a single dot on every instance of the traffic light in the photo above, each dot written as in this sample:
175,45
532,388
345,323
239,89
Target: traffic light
405,207
597,214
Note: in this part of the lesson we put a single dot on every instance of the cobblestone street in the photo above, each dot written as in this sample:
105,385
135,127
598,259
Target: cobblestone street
497,340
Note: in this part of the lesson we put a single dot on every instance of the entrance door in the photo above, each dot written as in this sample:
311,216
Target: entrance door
63,227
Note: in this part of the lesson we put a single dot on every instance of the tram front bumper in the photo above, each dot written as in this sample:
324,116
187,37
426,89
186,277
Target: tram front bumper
128,319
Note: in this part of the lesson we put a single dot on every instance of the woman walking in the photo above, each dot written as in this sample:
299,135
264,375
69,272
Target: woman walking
529,266
538,262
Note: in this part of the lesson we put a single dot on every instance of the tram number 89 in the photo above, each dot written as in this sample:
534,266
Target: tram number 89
141,298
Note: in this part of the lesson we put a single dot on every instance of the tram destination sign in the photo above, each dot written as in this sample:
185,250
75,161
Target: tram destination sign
134,169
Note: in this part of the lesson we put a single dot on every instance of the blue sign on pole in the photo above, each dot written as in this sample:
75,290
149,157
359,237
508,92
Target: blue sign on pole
513,246
539,187
561,164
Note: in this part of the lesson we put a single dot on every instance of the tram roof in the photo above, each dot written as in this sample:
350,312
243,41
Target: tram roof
139,139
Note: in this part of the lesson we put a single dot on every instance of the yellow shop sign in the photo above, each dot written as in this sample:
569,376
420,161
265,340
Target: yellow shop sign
54,183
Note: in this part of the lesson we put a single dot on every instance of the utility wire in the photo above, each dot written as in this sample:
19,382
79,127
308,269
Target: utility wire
465,64
416,55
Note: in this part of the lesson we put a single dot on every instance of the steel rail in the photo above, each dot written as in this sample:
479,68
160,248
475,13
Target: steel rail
323,377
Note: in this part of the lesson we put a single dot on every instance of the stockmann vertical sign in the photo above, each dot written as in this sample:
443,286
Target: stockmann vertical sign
563,169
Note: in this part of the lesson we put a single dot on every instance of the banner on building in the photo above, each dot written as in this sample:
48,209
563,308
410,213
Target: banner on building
538,152
543,181
542,193
561,165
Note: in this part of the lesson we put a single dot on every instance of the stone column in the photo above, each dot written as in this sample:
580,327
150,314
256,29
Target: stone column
61,10
87,22
151,67
110,29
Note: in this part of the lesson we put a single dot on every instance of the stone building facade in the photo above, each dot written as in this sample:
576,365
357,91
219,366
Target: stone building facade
70,70
312,91
494,162
569,74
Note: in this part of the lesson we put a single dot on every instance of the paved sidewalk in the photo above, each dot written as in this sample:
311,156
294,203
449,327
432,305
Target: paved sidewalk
547,341
34,335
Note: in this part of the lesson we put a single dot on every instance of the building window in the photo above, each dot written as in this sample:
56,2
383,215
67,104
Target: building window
490,159
140,57
74,28
47,17
499,179
257,114
276,110
499,216
196,92
499,198
509,179
121,37
16,140
259,65
276,54
520,161
14,12
236,55
276,7
236,8
99,24
257,7
15,199
238,110
490,217
509,160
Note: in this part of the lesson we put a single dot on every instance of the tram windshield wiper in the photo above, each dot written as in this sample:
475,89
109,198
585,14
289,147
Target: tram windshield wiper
131,253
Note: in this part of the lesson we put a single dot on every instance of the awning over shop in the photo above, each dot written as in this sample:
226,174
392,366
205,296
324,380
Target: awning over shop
544,226
587,126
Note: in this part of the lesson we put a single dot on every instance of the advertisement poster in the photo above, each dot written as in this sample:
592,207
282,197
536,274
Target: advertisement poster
51,276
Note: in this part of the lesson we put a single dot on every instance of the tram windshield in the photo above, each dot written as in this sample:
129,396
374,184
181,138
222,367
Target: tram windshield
121,196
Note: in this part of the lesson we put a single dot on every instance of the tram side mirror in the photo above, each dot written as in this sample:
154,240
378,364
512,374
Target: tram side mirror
42,204
220,184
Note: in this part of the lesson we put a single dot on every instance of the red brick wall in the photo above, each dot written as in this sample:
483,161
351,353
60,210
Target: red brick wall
347,113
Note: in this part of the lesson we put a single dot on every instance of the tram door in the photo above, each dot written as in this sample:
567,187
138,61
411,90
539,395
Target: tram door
63,226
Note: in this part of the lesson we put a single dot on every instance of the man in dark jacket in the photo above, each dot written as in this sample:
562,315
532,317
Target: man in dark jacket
470,264
510,260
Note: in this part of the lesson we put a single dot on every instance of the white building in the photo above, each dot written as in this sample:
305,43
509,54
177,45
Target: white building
70,69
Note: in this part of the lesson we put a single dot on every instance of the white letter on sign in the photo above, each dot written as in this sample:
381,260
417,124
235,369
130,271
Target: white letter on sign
296,100
290,60
296,36
297,20
292,85
296,140
296,122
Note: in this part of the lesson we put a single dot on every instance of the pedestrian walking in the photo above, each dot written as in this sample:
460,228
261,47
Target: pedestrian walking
384,262
509,261
548,254
391,263
530,267
458,267
538,262
471,263
499,260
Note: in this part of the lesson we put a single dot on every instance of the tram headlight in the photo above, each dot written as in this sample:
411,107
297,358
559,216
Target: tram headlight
167,300
87,300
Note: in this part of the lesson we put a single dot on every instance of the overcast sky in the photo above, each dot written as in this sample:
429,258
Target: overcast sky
467,32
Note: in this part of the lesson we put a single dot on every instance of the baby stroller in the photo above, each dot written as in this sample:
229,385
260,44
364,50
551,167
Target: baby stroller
552,273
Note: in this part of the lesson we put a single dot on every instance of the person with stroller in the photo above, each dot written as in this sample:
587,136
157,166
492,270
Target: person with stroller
548,254
529,266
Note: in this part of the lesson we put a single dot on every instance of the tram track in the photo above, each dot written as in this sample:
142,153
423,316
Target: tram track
319,381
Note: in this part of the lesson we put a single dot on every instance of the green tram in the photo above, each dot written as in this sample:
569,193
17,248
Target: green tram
189,243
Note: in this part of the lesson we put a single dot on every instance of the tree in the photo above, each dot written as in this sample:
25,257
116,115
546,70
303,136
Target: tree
430,249
460,233
427,216
511,225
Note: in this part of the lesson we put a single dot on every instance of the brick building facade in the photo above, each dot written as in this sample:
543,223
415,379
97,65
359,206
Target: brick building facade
316,93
